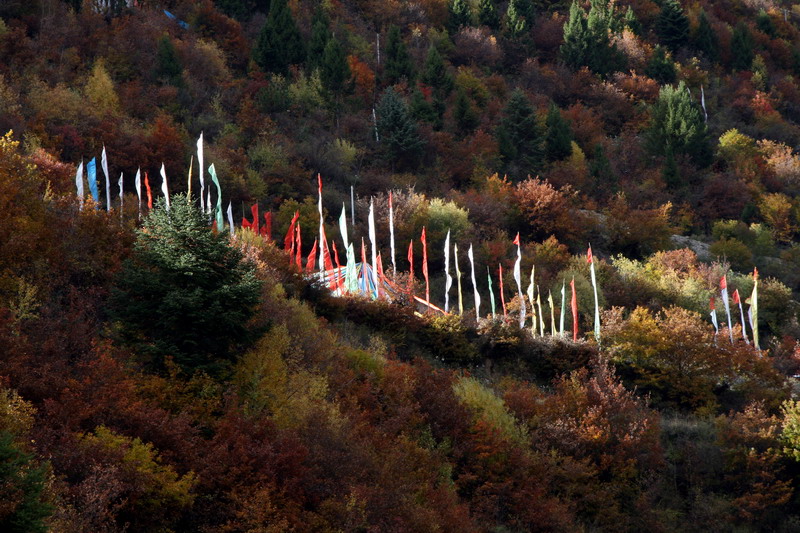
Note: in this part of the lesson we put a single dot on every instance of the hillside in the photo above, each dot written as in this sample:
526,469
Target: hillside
161,374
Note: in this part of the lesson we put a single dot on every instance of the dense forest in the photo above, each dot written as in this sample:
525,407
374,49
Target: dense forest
160,373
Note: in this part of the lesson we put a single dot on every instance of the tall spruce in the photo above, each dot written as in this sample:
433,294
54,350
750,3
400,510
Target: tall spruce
320,35
742,44
397,65
630,21
335,71
435,74
672,25
705,38
558,139
677,126
464,113
459,14
517,24
587,41
765,24
168,65
519,136
398,131
660,67
605,179
279,44
488,15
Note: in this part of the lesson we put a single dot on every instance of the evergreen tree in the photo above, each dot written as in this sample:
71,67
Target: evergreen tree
435,74
519,138
631,22
605,180
558,140
184,292
577,41
238,9
168,66
673,25
660,67
397,130
335,71
279,44
398,63
742,54
764,23
487,14
587,41
516,23
459,14
464,114
424,111
677,126
670,172
705,38
22,486
320,35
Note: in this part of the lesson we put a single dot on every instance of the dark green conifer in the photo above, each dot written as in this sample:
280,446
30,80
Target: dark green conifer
575,49
742,54
660,67
459,14
398,131
677,126
764,23
605,180
335,72
423,110
630,21
516,23
320,35
519,137
558,140
168,66
705,38
398,64
487,14
435,74
673,25
464,114
279,44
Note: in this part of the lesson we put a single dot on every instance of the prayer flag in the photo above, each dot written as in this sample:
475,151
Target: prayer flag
289,240
139,189
230,218
312,256
458,279
574,304
91,176
563,306
502,296
266,229
373,243
343,227
713,313
448,279
425,266
754,310
165,190
596,303
411,265
201,171
723,287
518,279
79,184
491,292
149,192
474,284
104,164
391,231
737,300
213,171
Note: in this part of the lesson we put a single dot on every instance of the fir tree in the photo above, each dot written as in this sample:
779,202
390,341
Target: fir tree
575,49
670,173
435,74
168,66
764,23
464,113
320,35
587,42
279,44
558,140
397,130
459,15
660,67
677,126
673,25
516,24
741,47
518,135
22,488
705,38
605,180
487,14
184,292
335,72
398,63
423,110
630,21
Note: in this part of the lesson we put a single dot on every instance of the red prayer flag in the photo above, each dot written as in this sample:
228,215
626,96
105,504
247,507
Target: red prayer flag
298,248
149,193
266,229
736,299
245,222
338,266
312,257
411,264
254,212
319,182
516,239
755,270
425,265
574,303
711,304
289,240
364,264
723,283
589,258
502,295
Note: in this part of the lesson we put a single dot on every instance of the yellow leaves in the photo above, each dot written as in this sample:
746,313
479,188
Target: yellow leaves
489,408
16,415
100,90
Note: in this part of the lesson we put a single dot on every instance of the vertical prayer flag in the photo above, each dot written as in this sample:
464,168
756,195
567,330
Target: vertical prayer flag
230,218
254,213
79,184
574,304
119,184
474,284
165,190
201,170
448,279
189,181
298,247
596,303
289,240
213,172
540,312
518,279
266,229
139,189
713,313
458,280
754,310
738,300
410,258
563,306
552,312
351,277
104,164
343,227
425,267
372,242
91,176
149,192
322,239
491,292
391,232
530,299
312,256
723,287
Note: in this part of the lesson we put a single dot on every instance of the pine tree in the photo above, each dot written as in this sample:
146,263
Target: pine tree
397,130
587,42
464,114
435,74
168,66
424,111
459,15
660,67
631,22
764,23
184,292
673,25
741,47
575,49
335,72
279,44
558,140
22,488
487,14
705,38
518,135
398,63
677,126
320,35
516,24
605,180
